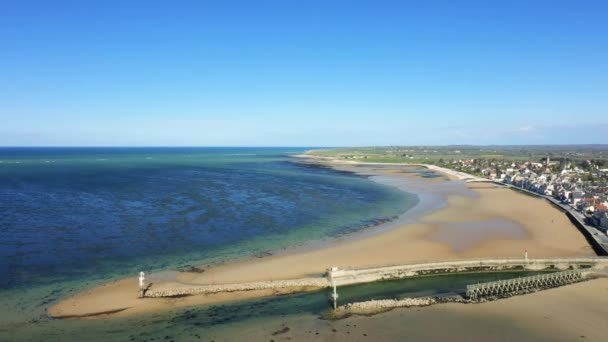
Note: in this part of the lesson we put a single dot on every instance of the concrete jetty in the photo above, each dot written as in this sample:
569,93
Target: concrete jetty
343,277
175,289
356,276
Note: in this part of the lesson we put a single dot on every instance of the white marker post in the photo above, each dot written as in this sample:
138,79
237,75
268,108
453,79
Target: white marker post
526,255
142,279
334,295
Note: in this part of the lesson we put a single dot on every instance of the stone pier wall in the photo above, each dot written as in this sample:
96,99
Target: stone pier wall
176,290
348,277
356,276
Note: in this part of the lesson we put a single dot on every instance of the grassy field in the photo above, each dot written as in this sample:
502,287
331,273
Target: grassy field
433,154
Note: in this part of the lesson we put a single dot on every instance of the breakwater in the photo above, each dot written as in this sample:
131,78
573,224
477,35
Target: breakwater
181,289
477,293
371,307
356,276
343,277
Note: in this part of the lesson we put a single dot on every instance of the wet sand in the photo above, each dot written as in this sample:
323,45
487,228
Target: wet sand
447,223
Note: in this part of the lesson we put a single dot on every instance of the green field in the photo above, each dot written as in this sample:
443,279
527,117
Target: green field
436,154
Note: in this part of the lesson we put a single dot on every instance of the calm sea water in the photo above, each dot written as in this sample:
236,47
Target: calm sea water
73,217
67,213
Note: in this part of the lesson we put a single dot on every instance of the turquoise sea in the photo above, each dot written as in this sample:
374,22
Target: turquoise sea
75,217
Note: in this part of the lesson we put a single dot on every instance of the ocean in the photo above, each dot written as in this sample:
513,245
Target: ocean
72,218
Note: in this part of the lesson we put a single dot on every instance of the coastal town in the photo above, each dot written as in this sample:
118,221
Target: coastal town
582,185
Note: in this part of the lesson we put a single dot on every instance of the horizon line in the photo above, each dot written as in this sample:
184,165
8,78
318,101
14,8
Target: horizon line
290,146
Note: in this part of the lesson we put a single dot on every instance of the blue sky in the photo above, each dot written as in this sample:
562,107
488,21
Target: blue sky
303,73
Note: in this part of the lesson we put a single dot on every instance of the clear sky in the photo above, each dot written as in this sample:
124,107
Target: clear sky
303,73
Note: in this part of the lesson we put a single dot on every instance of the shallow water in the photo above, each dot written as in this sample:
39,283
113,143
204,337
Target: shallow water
75,217
213,321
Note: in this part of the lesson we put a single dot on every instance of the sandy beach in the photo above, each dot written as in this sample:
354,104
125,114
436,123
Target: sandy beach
453,220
